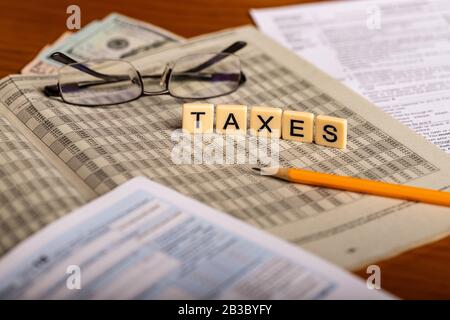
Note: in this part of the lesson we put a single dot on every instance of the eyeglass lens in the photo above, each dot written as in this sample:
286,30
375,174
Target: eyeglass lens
216,79
110,82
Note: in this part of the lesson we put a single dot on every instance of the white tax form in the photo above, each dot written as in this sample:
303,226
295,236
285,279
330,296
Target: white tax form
146,241
394,53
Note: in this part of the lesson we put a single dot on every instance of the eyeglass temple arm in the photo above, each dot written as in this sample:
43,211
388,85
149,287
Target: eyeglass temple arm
233,48
64,59
236,46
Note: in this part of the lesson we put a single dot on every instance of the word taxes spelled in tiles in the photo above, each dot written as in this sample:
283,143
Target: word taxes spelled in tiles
267,122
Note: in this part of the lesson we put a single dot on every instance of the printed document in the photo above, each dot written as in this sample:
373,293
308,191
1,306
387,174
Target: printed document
146,241
394,53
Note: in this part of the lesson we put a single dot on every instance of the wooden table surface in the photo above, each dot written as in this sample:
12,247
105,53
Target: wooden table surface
26,26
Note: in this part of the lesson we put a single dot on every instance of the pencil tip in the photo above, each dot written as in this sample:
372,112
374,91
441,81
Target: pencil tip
267,171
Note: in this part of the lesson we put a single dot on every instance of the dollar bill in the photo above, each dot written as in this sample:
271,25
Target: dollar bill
114,37
37,65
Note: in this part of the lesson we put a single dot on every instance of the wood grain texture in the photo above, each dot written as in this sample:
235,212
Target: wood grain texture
26,26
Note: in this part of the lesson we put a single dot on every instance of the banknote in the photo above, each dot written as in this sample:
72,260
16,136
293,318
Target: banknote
42,64
39,66
114,37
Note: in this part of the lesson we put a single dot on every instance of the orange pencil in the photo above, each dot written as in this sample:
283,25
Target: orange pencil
376,188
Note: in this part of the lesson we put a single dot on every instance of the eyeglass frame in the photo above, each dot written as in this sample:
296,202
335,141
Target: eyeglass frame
55,90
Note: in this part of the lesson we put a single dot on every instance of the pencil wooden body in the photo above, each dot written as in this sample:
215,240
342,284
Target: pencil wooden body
365,186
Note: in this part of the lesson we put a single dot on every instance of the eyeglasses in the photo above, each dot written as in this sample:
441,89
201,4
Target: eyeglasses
108,82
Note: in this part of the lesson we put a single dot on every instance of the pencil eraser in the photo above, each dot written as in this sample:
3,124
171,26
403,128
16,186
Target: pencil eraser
265,121
297,126
231,119
331,131
198,117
